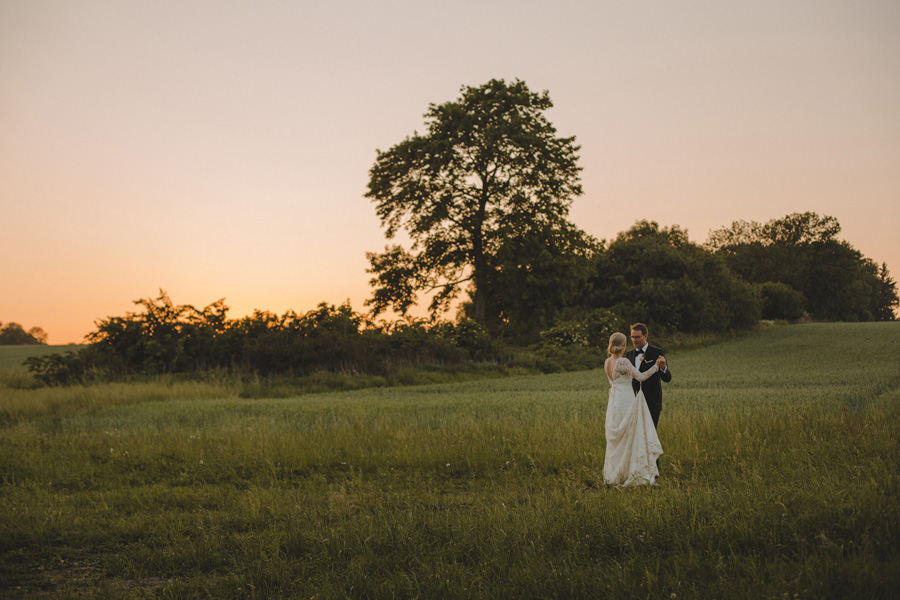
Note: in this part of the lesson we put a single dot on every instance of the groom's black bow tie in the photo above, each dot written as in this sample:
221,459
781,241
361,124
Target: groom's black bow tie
638,351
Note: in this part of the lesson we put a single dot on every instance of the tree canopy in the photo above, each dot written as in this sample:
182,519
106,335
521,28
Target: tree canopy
656,275
534,276
489,169
792,229
13,334
801,250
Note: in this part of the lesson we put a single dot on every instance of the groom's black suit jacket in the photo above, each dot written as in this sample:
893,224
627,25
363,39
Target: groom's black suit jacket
653,385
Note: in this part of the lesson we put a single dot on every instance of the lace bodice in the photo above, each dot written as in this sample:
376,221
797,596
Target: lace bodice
624,369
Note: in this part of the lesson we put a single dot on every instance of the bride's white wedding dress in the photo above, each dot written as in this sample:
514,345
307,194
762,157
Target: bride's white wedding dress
632,445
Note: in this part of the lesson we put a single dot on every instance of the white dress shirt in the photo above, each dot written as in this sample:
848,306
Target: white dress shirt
638,357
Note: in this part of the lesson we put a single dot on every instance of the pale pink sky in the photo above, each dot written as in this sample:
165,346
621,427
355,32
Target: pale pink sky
221,148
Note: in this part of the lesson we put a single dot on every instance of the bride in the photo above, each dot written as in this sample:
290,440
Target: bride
632,445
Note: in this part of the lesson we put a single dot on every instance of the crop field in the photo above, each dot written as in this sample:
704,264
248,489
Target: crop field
780,479
12,356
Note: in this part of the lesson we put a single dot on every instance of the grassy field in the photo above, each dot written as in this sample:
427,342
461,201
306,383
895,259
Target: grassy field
780,480
12,356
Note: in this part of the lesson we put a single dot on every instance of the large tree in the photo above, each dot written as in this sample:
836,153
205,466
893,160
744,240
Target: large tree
489,168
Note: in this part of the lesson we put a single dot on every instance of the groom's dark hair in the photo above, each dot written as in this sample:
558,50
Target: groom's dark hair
641,327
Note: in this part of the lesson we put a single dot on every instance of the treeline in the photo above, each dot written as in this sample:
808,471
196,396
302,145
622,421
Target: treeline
553,302
787,269
13,334
802,268
483,196
164,338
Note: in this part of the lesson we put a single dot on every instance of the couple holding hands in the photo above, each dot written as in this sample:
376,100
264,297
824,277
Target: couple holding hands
635,402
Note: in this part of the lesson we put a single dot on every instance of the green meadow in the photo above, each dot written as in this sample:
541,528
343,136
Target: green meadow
11,357
780,479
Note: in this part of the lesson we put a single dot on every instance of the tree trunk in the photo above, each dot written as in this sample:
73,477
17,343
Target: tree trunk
479,308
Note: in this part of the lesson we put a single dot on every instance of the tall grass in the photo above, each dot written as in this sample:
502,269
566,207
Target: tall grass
780,477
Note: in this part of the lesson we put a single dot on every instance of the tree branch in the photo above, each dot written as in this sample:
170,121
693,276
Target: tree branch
451,284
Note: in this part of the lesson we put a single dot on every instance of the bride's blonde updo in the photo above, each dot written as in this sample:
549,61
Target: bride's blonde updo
616,344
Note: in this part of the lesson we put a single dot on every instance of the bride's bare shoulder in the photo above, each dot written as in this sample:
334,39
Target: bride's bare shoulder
615,364
609,364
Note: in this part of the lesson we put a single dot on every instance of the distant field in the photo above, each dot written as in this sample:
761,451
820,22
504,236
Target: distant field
14,356
780,480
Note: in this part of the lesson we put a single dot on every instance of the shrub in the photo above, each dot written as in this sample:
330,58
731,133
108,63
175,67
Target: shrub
589,328
781,301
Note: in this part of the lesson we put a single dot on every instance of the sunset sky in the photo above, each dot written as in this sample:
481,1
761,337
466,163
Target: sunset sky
221,148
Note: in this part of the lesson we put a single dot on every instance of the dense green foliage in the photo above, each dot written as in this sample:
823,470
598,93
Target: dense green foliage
801,250
490,169
656,275
781,301
165,338
780,479
13,334
533,278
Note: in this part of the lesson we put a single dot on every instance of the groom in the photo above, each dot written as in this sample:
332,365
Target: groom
652,386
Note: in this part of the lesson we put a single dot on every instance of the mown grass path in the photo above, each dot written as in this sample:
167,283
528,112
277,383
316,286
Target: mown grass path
780,479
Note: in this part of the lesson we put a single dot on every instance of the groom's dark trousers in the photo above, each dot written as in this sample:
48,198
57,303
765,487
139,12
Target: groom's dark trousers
653,385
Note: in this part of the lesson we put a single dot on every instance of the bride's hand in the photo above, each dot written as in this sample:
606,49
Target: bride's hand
661,362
